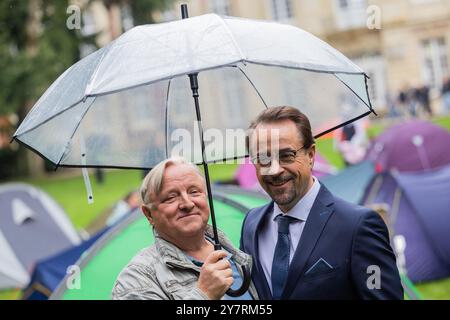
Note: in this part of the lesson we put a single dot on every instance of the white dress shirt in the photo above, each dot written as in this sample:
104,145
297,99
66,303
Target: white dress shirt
268,236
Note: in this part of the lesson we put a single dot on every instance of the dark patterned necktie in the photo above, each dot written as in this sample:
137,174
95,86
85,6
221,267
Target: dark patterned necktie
280,264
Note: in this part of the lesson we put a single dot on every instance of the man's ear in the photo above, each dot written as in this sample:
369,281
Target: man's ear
147,213
311,154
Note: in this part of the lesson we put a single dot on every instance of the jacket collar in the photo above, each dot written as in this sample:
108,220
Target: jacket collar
174,256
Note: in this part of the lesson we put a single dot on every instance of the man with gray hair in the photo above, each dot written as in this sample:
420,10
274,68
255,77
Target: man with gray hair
182,264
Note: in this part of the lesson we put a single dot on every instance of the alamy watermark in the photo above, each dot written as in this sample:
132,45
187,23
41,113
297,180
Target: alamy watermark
374,279
229,145
373,17
73,21
73,281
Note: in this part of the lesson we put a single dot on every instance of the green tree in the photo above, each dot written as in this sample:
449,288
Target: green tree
35,48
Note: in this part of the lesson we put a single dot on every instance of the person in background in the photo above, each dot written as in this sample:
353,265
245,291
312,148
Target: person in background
129,203
445,91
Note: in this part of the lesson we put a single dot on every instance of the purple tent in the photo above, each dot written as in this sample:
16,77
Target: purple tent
420,214
412,146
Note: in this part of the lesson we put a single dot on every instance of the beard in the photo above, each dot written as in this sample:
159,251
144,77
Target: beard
283,195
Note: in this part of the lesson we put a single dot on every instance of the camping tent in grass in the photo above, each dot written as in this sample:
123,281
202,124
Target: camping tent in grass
415,145
32,227
419,214
101,264
350,183
48,273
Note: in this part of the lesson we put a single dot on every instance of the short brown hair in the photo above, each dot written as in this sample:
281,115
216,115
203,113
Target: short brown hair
280,113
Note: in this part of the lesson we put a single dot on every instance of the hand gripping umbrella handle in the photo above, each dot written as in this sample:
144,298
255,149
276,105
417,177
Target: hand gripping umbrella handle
246,279
245,284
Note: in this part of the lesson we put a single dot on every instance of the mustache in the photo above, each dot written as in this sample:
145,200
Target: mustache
277,179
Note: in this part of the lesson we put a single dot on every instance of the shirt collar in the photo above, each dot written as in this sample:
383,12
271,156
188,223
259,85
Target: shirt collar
301,210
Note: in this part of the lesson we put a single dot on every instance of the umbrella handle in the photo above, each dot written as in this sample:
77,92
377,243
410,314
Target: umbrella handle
245,284
246,278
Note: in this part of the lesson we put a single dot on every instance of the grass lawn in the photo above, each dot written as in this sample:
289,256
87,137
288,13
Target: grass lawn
435,290
70,193
325,148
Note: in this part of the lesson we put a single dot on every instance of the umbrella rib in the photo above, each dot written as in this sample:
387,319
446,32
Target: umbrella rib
73,133
106,49
167,118
273,64
50,118
342,124
368,96
254,87
221,160
161,79
367,92
233,39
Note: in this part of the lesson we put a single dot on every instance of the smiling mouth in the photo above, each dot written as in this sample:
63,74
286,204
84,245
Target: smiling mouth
279,183
188,215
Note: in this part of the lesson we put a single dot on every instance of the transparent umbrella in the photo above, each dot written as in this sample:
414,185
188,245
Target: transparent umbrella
130,105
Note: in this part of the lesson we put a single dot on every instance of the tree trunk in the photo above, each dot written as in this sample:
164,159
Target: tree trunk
32,164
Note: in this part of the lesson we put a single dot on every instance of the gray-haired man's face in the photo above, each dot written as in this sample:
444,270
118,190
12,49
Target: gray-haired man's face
180,209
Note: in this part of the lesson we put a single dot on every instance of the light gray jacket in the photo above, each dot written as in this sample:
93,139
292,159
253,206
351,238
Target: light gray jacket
163,272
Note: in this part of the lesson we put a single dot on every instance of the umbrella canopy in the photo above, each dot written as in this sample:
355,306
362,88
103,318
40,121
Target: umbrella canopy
412,146
129,104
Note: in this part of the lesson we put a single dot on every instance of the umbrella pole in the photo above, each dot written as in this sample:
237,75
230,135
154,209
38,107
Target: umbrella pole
194,88
246,276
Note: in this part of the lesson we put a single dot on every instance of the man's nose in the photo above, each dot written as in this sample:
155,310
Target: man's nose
274,169
186,202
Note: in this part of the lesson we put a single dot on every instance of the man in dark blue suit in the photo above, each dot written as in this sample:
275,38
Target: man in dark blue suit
307,243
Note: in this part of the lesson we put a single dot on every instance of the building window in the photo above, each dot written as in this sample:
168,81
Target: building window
221,7
281,10
435,62
350,14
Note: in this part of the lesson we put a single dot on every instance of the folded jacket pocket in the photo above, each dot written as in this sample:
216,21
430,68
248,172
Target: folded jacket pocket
320,266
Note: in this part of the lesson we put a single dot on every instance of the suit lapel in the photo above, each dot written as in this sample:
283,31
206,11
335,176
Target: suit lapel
258,223
321,211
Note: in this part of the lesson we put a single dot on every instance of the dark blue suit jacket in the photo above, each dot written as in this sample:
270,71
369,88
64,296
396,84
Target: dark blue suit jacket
340,244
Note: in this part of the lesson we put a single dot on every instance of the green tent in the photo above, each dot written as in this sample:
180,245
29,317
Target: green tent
101,264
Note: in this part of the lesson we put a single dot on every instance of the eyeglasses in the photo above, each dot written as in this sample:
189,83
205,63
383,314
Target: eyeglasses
285,157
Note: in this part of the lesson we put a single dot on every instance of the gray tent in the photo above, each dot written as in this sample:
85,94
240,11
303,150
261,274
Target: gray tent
32,227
